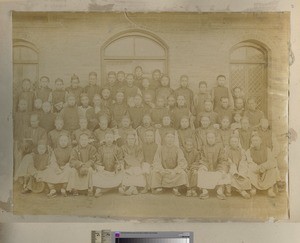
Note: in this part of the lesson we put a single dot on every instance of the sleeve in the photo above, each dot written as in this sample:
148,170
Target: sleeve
157,166
92,157
99,160
182,163
50,98
251,164
271,162
203,163
222,161
74,159
176,139
243,165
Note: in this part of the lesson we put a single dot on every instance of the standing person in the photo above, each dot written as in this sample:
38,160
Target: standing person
82,158
164,89
130,90
58,96
146,89
108,173
186,92
155,82
121,79
43,92
70,114
75,89
119,108
92,88
27,94
213,171
263,171
112,84
221,91
138,76
168,168
201,97
254,114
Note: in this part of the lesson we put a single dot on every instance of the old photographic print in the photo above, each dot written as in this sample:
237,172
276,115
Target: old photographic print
151,115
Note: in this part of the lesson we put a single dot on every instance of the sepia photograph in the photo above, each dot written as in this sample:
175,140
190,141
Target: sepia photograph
170,115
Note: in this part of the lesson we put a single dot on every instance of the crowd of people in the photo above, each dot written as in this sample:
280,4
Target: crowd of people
136,134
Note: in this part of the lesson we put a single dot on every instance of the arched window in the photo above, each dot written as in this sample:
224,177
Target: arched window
25,59
248,69
127,50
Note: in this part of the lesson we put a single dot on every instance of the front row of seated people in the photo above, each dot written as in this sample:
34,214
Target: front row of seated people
134,162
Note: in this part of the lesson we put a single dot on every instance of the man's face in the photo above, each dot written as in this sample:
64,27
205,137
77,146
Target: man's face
97,100
112,79
256,142
129,80
156,75
225,123
63,141
46,107
109,139
208,106
105,94
234,142
147,121
83,140
138,100
34,121
41,148
202,88
189,145
170,139
71,101
84,101
171,101
38,104
22,105
149,137
138,72
59,124
221,81
103,123
237,92
166,121
59,85
131,140
44,82
237,117
184,82
92,79
184,123
239,104
211,138
205,122
224,103
121,77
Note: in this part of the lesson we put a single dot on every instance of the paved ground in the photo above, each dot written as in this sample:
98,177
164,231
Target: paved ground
164,206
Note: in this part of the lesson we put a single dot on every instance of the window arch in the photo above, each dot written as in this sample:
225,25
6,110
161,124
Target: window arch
126,50
248,69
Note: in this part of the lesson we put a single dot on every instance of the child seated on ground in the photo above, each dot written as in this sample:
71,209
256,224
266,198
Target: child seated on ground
43,91
57,132
58,96
213,170
164,89
221,91
58,172
238,168
253,113
75,89
146,126
34,132
263,171
47,118
70,114
82,159
119,108
185,132
168,168
192,156
164,129
92,88
201,97
186,92
36,167
134,178
27,94
108,169
149,149
82,129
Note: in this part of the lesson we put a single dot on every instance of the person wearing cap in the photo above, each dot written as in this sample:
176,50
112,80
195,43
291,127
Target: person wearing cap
263,171
74,88
213,170
82,158
169,167
108,169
